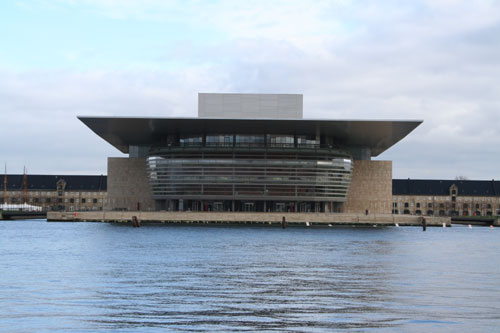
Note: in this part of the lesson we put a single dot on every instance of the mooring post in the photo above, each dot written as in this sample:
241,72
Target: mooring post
283,223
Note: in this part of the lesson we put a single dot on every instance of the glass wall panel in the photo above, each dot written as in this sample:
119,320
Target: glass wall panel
190,140
307,140
250,175
219,140
280,140
250,139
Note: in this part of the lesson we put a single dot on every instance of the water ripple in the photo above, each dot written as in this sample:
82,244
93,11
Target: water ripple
101,277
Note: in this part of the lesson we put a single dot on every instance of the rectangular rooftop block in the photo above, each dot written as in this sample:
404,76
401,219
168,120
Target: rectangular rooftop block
256,106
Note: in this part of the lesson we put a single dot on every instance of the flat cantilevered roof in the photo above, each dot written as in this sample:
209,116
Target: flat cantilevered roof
122,132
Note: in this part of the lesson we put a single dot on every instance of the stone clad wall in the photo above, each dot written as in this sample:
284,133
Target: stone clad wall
371,187
128,184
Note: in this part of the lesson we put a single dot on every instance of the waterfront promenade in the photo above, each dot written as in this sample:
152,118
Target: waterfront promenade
292,219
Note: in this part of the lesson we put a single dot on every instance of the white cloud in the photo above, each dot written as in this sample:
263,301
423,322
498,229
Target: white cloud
431,60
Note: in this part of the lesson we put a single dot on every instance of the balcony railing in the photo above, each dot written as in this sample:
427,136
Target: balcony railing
246,145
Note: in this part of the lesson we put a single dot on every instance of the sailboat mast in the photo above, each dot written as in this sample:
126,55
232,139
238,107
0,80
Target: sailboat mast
25,185
5,185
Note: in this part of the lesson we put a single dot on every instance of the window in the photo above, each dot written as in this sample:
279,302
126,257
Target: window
94,200
418,204
83,200
307,140
406,205
72,200
226,140
47,200
186,141
429,205
250,139
280,139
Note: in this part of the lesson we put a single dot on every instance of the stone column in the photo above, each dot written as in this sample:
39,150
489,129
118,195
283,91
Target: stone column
371,187
128,184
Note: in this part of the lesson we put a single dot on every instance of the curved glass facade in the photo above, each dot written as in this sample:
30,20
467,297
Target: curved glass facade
249,173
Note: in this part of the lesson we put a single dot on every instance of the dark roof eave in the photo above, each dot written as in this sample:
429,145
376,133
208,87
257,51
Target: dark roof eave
378,135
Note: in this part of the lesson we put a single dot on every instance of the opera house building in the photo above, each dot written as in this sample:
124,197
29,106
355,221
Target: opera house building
249,152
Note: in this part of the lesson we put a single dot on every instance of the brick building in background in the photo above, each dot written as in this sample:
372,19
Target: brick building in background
446,197
51,192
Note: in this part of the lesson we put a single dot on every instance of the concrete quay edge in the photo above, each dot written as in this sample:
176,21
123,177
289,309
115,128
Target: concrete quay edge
231,218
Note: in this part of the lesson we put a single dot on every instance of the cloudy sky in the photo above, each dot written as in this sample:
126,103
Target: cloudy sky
438,61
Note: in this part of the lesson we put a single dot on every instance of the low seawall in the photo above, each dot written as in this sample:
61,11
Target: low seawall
20,215
247,218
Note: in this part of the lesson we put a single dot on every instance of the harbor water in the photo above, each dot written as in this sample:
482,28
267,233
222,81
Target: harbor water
88,277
